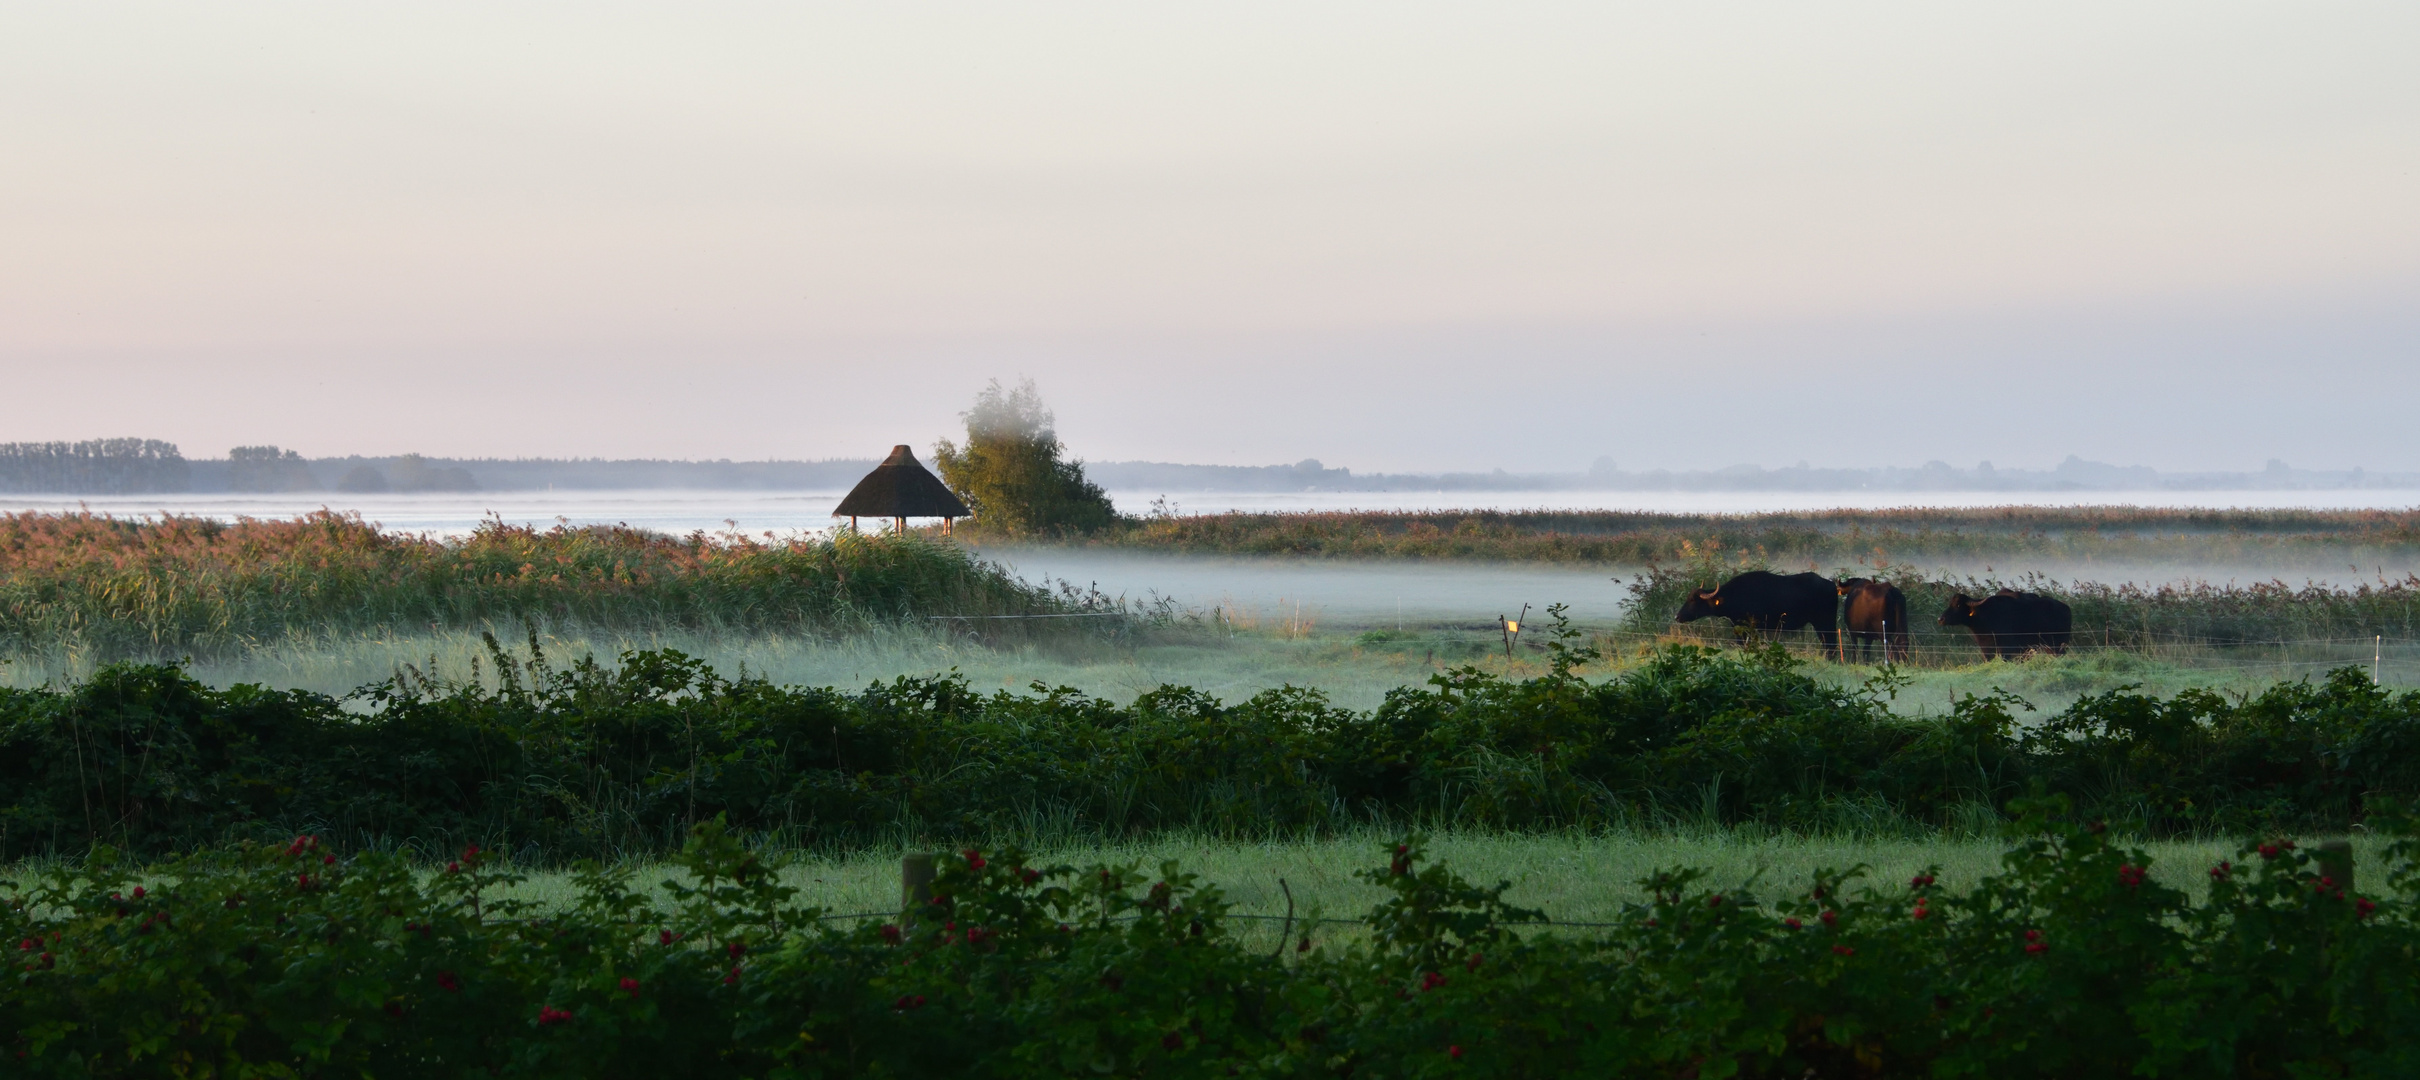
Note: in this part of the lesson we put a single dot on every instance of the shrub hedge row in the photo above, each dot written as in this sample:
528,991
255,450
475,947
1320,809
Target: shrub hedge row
287,960
593,759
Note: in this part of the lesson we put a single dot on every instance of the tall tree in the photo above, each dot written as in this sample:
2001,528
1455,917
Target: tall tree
1013,471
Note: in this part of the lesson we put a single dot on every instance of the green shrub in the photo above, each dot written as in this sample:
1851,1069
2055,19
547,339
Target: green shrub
592,759
294,959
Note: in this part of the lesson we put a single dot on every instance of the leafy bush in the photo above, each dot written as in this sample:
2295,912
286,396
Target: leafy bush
148,588
597,759
294,959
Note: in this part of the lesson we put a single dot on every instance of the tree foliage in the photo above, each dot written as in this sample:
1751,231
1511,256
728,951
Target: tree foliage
1013,471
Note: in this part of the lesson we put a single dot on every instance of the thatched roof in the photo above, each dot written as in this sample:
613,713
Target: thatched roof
900,487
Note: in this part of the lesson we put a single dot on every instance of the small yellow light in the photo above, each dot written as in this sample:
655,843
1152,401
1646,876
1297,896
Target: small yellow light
1512,626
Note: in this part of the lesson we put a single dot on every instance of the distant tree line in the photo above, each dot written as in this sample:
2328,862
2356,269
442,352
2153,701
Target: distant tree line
267,468
94,467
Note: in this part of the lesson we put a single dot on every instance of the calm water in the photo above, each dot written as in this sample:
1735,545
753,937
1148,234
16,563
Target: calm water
788,513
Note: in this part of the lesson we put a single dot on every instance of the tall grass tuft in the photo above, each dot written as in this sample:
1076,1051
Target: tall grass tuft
176,585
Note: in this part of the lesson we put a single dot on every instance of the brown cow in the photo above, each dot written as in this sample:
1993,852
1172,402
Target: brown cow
1876,614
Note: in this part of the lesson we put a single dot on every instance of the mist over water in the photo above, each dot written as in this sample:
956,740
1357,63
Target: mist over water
789,513
1300,593
1336,593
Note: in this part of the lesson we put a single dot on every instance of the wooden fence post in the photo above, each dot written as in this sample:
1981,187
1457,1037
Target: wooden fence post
915,881
2336,861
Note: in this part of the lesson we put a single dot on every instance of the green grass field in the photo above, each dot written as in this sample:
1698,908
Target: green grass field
1573,878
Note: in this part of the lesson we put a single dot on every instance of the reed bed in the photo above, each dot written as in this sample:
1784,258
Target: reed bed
2100,533
100,585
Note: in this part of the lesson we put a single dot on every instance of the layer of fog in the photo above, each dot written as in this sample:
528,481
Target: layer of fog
1357,593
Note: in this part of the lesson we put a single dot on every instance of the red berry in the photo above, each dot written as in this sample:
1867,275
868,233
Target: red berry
2363,906
138,892
1472,964
1715,900
1792,924
1454,1052
1844,950
736,949
1829,917
732,978
448,983
630,987
664,937
2037,947
890,934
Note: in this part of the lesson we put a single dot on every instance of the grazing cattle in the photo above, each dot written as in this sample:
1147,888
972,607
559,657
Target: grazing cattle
2007,624
1762,600
1876,612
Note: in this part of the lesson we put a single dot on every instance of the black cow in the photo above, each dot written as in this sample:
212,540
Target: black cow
2008,623
1877,612
1763,600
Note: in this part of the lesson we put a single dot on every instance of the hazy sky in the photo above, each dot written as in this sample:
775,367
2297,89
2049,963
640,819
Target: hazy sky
1390,236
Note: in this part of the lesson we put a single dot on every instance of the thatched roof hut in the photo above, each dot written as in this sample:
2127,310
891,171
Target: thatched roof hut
901,488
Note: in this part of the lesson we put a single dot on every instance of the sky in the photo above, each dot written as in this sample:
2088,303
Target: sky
1398,236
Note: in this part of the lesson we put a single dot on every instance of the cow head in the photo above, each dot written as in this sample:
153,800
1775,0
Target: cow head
1961,611
1704,603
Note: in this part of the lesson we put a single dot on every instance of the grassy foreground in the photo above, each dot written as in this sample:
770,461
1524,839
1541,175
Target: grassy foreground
2071,958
